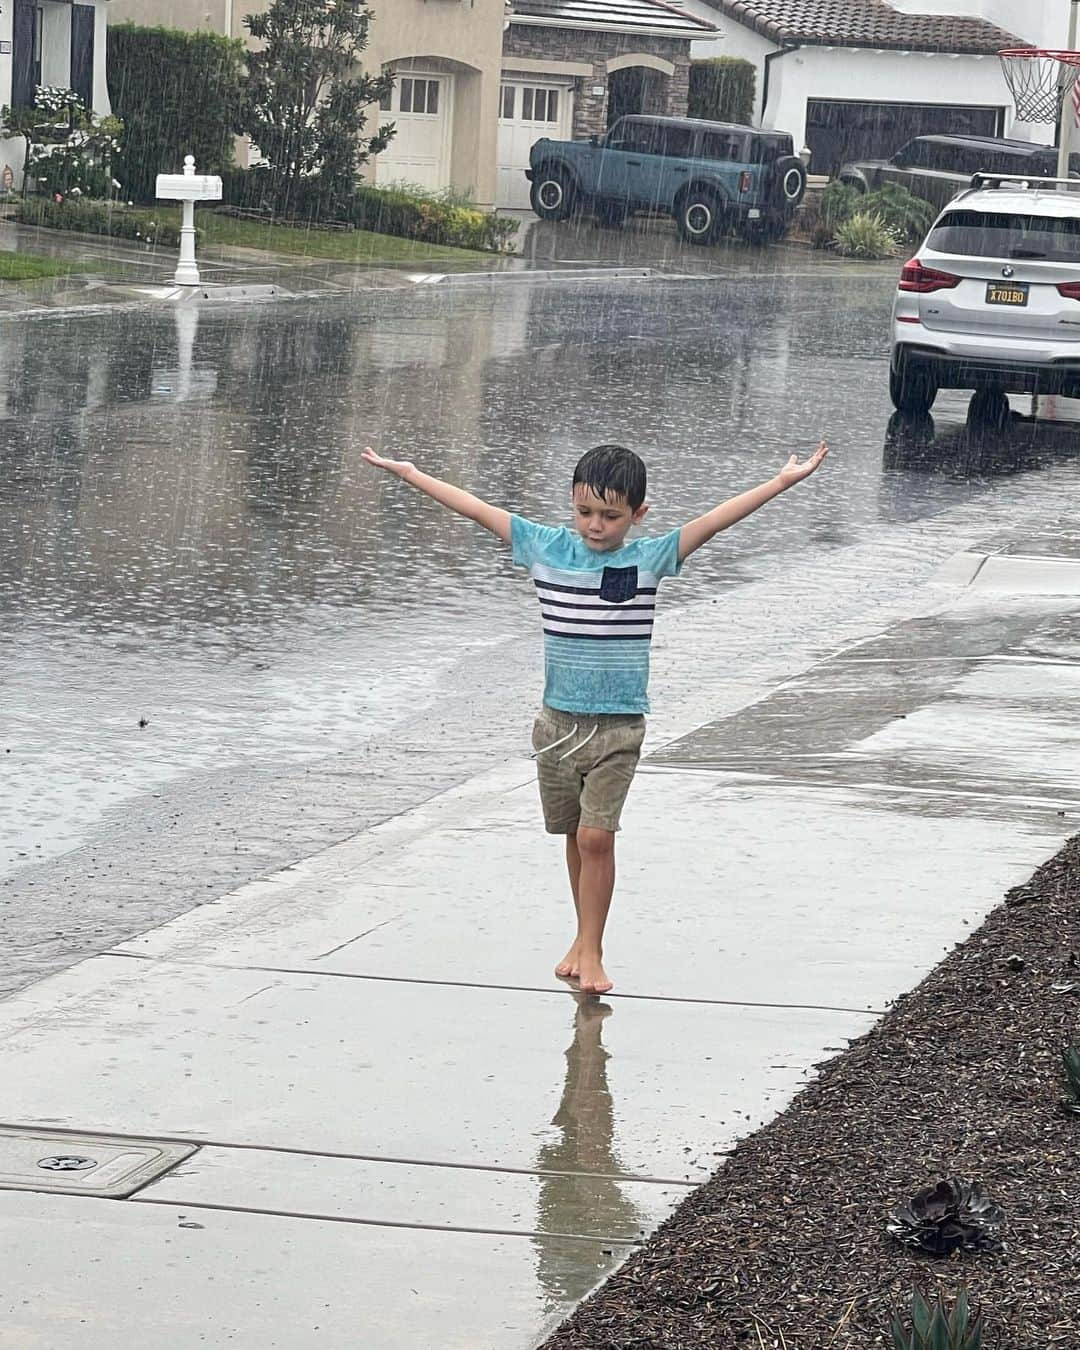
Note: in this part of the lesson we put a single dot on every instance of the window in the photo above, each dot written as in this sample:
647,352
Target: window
635,138
999,234
726,145
768,149
675,142
540,105
419,96
509,100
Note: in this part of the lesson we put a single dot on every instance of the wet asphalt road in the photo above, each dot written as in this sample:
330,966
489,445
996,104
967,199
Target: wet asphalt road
227,642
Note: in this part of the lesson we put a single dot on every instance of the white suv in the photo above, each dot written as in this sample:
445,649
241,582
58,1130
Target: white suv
991,301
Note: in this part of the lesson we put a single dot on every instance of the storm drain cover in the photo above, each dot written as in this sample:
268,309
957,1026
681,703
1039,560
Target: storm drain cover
83,1164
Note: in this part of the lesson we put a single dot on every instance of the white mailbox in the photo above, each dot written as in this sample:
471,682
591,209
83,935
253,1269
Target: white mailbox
188,188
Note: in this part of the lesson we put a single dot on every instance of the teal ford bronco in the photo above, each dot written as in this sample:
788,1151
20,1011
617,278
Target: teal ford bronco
712,177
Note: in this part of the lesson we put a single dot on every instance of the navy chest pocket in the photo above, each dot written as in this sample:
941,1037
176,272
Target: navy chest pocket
618,584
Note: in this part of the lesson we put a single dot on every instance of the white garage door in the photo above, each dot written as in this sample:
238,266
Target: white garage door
527,111
420,106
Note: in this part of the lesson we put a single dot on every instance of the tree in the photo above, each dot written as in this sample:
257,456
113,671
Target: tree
69,149
305,102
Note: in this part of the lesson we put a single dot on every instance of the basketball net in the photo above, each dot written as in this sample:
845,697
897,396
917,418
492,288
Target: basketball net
1041,82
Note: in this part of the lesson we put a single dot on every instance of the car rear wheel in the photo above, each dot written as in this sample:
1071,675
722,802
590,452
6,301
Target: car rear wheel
552,193
912,390
699,215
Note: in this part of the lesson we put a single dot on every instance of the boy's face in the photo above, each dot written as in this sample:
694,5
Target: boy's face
604,525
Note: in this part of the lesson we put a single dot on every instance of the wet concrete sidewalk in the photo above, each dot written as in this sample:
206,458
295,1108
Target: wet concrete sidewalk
407,1133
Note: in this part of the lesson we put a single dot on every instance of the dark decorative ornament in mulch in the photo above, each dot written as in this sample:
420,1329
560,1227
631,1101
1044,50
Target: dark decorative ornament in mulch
786,1246
953,1216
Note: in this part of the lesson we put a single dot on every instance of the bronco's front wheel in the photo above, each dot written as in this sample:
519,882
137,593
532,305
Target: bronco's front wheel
552,193
699,216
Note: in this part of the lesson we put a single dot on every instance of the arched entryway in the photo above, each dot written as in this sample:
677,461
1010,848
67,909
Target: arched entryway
636,90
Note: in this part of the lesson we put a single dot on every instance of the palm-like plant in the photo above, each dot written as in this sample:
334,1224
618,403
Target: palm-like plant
938,1327
1070,1057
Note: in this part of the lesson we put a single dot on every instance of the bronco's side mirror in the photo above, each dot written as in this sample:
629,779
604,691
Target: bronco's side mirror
594,140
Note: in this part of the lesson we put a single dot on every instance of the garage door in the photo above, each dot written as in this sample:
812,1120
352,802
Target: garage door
839,130
527,111
420,106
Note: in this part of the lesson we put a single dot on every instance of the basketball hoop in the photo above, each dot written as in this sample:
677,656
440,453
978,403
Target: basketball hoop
1040,81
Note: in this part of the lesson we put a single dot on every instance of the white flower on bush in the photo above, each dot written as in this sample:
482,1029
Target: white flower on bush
116,186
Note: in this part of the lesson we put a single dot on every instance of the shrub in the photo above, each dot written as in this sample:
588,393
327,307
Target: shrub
178,94
722,90
907,217
119,222
865,236
433,218
69,149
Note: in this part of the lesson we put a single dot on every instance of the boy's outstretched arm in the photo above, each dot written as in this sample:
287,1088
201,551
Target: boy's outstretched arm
493,518
700,531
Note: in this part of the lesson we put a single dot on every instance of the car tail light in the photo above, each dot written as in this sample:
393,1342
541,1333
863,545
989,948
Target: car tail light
1070,290
744,181
916,277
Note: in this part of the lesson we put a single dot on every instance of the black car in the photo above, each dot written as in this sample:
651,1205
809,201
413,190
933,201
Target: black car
936,168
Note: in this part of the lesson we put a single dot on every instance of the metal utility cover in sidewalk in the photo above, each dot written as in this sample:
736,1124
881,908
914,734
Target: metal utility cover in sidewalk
83,1164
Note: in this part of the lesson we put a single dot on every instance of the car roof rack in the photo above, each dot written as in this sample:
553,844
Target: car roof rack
1020,179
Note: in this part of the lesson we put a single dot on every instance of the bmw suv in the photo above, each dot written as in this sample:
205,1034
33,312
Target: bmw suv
991,301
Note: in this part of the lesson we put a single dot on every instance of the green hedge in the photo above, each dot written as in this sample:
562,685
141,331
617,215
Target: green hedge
383,210
178,94
119,222
722,90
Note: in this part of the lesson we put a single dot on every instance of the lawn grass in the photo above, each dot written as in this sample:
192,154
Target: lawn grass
26,267
351,246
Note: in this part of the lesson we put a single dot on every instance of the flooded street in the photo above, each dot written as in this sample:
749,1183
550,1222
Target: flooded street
226,642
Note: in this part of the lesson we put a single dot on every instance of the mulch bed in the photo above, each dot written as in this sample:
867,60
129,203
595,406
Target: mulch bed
786,1244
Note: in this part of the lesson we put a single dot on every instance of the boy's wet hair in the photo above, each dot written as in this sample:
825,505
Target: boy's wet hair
612,471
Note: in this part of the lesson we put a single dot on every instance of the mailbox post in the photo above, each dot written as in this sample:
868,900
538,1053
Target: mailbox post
188,188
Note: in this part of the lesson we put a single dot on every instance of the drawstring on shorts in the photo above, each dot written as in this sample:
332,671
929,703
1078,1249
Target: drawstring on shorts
569,736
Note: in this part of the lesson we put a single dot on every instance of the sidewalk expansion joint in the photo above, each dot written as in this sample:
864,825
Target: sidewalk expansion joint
294,1150
319,1217
308,971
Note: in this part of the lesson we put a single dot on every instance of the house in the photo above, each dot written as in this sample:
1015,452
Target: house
478,81
50,42
855,79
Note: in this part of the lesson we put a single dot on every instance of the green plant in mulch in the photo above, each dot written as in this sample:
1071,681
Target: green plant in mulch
949,1217
938,1327
865,236
1070,1057
907,217
118,222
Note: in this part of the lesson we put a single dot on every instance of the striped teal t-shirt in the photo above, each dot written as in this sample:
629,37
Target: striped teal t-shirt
597,611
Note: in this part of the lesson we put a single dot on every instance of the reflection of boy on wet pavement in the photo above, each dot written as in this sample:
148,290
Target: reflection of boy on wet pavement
597,596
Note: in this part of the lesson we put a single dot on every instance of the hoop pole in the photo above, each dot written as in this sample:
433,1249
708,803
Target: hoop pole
1067,118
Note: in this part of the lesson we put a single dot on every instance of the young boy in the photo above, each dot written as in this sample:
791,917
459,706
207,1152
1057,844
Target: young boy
597,595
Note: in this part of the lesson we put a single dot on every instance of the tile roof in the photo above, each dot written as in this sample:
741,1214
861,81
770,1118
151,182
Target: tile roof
615,15
865,23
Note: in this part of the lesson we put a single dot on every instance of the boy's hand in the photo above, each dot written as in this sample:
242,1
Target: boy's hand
793,472
401,467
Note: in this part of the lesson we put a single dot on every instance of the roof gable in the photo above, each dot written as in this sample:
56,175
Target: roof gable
865,23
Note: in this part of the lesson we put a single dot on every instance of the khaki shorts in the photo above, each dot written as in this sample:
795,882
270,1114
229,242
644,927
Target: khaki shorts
589,786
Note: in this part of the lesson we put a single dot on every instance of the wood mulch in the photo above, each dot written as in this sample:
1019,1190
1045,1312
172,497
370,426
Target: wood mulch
786,1244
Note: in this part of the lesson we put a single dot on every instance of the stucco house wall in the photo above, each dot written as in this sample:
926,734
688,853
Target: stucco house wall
857,73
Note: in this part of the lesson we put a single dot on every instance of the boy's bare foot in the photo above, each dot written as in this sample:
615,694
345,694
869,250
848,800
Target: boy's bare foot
567,969
592,976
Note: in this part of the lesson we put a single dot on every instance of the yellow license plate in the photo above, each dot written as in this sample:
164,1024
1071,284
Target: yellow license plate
1005,293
